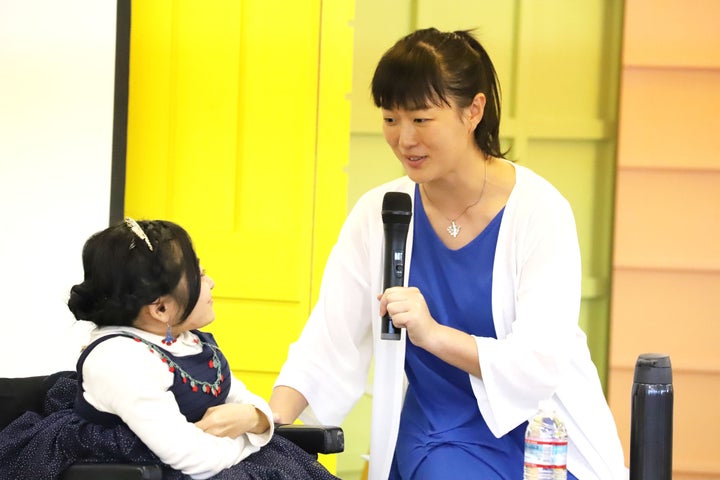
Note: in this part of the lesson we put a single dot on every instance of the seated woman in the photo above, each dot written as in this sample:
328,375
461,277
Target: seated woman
150,386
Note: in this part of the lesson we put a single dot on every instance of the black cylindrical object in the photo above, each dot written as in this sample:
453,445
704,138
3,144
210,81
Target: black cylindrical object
651,423
396,214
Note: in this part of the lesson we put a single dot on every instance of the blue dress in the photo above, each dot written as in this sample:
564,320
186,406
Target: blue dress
70,430
442,432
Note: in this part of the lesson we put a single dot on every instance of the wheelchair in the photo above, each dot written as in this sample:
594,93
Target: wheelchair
21,394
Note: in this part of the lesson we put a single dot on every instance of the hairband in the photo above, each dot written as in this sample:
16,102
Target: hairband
137,230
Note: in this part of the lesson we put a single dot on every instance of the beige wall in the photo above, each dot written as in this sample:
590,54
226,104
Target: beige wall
666,265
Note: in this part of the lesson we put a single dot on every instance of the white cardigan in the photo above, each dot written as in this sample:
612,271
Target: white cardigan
540,351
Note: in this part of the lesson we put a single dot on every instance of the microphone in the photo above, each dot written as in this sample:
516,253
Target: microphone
396,214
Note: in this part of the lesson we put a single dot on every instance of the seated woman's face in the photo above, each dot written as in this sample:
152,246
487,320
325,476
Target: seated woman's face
203,313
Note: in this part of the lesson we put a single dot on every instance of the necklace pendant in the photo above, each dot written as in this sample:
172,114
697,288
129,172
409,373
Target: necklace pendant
453,229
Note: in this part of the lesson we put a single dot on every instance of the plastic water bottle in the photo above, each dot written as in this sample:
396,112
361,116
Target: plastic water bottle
546,442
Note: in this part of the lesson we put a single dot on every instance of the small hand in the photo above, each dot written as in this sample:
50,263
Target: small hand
233,420
408,309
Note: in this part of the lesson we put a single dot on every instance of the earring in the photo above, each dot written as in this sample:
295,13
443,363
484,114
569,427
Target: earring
169,339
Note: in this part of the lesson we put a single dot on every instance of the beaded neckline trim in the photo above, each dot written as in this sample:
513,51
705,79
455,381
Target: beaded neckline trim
196,385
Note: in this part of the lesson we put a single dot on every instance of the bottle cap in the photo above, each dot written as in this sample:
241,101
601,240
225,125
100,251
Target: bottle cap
653,368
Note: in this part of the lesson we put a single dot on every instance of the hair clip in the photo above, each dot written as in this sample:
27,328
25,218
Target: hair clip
137,230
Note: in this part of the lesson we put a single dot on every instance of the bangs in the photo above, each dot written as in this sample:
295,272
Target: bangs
191,269
179,259
409,79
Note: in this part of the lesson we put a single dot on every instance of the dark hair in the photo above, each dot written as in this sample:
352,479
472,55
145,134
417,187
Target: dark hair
433,67
122,274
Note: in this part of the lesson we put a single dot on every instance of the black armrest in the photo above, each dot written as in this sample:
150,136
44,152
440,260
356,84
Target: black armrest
18,395
314,439
21,394
112,471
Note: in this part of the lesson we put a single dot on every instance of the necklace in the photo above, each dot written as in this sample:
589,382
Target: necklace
195,385
454,229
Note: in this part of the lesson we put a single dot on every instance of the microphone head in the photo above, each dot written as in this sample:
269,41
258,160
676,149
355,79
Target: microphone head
397,208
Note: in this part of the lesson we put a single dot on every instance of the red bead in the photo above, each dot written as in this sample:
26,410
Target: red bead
184,380
211,364
172,369
194,388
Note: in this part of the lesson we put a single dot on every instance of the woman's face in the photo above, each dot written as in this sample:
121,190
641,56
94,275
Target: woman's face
431,142
203,313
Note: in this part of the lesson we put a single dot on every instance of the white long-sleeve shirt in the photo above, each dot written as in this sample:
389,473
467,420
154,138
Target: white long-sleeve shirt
121,376
540,352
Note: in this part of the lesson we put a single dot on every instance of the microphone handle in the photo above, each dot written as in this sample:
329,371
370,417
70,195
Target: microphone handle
394,271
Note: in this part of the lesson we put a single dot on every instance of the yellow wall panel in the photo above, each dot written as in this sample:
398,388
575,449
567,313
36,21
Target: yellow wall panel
149,120
333,136
255,264
278,110
668,221
205,59
671,32
253,331
655,131
236,116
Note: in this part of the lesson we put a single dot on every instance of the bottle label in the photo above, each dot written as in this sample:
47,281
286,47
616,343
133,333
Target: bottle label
545,453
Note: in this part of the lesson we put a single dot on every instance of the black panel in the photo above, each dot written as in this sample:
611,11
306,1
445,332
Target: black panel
120,111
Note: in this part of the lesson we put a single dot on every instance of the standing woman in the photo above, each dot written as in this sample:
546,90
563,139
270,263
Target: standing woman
490,314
